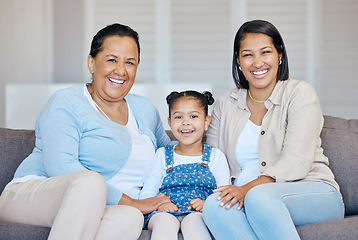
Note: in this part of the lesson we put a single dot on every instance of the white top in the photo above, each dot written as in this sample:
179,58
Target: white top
247,154
217,165
130,178
24,179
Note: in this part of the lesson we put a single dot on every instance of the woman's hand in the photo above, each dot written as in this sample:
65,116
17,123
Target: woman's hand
196,204
168,207
147,205
231,194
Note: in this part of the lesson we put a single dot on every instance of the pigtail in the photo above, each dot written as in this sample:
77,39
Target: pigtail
172,96
205,98
209,97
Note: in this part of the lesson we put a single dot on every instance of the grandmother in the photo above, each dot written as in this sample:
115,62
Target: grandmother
95,145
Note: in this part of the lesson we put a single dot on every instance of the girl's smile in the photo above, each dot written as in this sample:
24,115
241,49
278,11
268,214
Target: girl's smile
188,122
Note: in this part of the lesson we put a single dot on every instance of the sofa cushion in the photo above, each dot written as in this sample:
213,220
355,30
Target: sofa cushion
344,229
12,231
15,146
340,144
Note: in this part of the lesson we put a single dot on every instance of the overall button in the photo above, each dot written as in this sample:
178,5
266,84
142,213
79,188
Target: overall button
262,132
263,164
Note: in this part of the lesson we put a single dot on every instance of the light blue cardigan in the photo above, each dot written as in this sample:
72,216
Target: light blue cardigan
72,136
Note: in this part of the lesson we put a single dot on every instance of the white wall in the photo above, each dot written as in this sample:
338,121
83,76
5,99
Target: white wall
25,101
36,96
182,42
25,44
339,51
68,38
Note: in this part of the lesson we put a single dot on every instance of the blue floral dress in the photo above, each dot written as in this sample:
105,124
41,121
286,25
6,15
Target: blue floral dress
186,182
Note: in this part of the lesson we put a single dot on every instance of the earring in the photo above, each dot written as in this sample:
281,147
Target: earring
240,68
280,62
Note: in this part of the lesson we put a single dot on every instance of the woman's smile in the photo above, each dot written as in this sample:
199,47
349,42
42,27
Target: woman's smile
116,81
259,61
259,73
114,68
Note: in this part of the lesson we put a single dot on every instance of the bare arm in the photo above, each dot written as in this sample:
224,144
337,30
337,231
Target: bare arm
147,205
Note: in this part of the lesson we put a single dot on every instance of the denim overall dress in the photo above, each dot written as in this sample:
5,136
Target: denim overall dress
186,182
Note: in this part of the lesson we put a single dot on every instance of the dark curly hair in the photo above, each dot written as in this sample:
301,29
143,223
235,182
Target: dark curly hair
205,99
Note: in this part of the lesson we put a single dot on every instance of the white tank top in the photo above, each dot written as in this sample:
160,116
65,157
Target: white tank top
247,154
130,178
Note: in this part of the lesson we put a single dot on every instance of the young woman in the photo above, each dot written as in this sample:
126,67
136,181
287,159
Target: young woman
269,129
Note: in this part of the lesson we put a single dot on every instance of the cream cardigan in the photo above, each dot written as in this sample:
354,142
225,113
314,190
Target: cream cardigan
289,145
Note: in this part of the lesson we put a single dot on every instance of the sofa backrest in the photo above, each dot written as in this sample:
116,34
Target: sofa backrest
339,141
15,146
340,145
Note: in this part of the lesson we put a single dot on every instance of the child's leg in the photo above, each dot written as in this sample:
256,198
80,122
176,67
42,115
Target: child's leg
164,226
193,227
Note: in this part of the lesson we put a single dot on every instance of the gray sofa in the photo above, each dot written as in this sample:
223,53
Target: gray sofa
339,140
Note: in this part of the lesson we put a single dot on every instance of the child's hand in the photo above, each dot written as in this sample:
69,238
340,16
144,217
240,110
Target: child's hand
196,204
168,207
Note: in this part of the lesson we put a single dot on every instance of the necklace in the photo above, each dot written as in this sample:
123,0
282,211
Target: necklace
254,98
100,109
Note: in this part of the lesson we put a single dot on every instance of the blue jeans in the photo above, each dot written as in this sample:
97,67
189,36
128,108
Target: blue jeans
273,210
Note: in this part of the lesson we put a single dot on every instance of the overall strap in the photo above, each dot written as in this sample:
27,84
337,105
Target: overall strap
169,157
206,155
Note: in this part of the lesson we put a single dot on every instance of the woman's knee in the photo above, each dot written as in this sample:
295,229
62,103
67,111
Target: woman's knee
131,215
120,220
88,184
211,202
212,209
89,179
259,195
136,222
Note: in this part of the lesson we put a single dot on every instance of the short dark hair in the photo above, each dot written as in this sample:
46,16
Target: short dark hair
115,29
267,28
204,99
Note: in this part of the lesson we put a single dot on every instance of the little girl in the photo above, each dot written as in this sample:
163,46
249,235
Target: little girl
186,172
